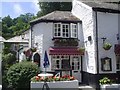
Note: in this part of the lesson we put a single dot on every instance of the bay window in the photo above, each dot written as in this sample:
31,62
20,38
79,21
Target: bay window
65,30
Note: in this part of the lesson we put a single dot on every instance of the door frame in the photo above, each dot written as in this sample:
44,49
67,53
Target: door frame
80,65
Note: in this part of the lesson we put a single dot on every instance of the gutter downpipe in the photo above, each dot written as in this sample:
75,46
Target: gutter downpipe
31,35
97,42
97,52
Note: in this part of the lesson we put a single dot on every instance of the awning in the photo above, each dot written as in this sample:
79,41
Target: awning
65,51
117,49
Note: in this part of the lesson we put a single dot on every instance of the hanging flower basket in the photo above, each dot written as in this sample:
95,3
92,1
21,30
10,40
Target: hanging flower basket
107,46
81,49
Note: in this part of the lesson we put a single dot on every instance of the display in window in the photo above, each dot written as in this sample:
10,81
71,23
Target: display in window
106,64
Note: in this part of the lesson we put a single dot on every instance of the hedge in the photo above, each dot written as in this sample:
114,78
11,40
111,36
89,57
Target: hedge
19,74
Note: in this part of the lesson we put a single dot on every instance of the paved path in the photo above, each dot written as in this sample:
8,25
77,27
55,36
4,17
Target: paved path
85,87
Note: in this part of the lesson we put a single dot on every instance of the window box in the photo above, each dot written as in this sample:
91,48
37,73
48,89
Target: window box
56,84
65,42
110,86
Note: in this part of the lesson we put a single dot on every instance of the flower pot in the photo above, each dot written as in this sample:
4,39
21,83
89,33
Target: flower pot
107,46
73,84
110,86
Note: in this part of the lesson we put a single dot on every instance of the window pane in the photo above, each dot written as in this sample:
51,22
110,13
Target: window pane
65,30
57,29
74,30
118,62
65,64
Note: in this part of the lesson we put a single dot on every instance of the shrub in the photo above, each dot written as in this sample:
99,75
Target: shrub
19,74
7,60
105,80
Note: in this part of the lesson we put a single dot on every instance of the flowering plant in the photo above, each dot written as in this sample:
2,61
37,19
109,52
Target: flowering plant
54,78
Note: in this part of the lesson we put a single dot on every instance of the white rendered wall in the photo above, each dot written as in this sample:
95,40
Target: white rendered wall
108,28
42,34
85,13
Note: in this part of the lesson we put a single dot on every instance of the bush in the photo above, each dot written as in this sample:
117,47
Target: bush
19,74
7,60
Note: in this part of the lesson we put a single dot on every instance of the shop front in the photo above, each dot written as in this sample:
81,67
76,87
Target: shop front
66,61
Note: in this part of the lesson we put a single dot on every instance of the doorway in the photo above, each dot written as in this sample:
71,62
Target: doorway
76,67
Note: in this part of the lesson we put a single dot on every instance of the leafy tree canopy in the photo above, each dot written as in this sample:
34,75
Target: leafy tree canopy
47,7
12,27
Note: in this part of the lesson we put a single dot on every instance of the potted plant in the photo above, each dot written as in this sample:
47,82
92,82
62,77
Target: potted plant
81,49
105,80
106,83
107,46
54,82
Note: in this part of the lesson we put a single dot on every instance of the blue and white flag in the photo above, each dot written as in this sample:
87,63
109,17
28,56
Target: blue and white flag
46,60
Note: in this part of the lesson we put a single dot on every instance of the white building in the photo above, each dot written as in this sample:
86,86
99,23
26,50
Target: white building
20,43
89,25
60,34
2,40
100,21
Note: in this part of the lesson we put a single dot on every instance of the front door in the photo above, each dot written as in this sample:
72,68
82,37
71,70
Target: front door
76,67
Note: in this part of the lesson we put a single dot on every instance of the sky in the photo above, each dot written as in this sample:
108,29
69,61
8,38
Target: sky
15,8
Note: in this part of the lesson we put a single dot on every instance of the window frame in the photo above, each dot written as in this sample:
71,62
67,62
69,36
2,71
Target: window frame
117,58
65,30
72,30
61,58
55,60
57,30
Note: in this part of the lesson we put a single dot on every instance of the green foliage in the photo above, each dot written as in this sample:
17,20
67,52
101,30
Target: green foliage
81,49
47,7
12,27
105,80
107,46
7,60
19,74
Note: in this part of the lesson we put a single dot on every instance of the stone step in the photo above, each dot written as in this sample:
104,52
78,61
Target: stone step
85,87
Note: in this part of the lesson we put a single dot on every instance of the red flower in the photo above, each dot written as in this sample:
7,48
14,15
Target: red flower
37,78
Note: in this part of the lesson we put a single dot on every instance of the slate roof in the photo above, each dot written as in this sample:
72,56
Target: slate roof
99,0
57,16
103,5
17,39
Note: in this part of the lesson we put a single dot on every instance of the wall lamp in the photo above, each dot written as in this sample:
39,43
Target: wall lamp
104,38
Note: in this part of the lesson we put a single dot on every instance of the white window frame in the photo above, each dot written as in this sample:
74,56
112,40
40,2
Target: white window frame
72,25
75,60
118,63
60,61
65,30
57,30
72,31
54,60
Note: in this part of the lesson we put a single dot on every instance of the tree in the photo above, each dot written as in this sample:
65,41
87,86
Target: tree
47,7
12,27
